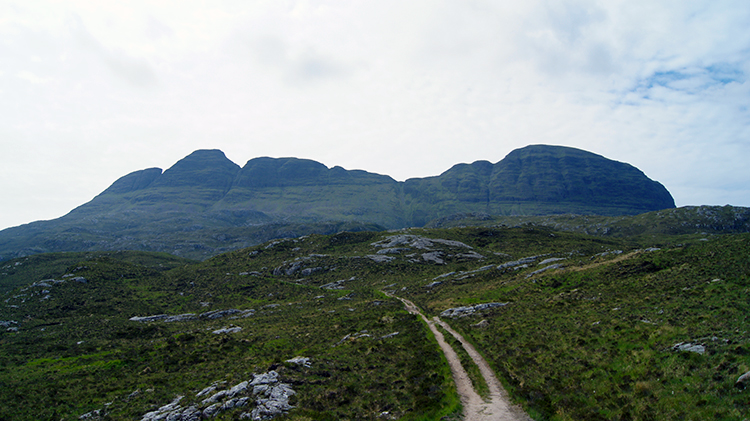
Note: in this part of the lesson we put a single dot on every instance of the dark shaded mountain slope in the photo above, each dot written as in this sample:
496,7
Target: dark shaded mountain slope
537,180
206,204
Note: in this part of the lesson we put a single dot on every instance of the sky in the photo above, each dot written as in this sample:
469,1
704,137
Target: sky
93,90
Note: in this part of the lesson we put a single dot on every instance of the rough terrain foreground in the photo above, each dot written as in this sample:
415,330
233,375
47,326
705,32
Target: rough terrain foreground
498,408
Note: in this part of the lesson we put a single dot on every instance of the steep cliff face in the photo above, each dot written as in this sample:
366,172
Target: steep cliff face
207,199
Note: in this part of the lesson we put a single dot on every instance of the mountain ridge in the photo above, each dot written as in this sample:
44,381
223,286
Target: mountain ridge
208,203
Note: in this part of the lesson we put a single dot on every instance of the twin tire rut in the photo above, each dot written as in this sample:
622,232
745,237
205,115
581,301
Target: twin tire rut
498,406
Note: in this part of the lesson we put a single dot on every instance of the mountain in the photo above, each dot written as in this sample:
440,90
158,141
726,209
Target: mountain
206,204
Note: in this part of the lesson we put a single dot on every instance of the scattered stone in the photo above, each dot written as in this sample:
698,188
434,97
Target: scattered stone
95,414
469,310
519,262
265,378
470,255
550,260
310,271
379,258
352,336
46,283
273,401
206,391
336,284
743,381
165,411
234,329
445,275
303,361
212,410
164,318
464,275
606,253
394,250
434,284
544,269
390,335
217,314
433,256
134,394
415,241
688,347
483,323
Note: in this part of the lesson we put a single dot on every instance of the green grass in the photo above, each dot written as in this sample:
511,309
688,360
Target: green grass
590,342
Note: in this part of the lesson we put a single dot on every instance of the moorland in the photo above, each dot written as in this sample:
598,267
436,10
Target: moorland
278,290
590,327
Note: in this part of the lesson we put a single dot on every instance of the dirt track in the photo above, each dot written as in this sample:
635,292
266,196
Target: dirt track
498,408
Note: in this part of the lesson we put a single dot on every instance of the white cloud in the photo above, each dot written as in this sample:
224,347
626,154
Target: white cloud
95,90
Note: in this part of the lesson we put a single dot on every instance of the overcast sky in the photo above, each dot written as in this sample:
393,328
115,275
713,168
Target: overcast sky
93,90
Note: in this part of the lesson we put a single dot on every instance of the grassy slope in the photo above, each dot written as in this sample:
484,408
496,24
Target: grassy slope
593,341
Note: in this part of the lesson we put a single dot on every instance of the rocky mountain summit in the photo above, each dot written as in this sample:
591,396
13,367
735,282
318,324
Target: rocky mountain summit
205,204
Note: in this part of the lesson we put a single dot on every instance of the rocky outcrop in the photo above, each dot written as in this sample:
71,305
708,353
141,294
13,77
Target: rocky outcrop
265,393
231,329
379,258
518,264
164,318
415,241
469,310
209,315
434,257
743,381
544,269
303,361
336,284
689,347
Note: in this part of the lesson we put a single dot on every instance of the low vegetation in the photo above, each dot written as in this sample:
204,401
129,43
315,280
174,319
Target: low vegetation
594,338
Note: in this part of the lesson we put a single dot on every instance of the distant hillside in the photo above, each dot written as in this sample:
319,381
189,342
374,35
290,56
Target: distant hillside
205,204
700,220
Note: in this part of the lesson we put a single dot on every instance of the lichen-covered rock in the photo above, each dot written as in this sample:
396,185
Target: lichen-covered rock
265,378
416,241
519,262
234,329
434,257
272,400
380,258
394,250
303,361
550,260
164,318
688,347
211,410
336,284
469,310
743,381
172,408
544,269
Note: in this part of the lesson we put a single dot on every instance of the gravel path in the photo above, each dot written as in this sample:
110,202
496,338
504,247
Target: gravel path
498,408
